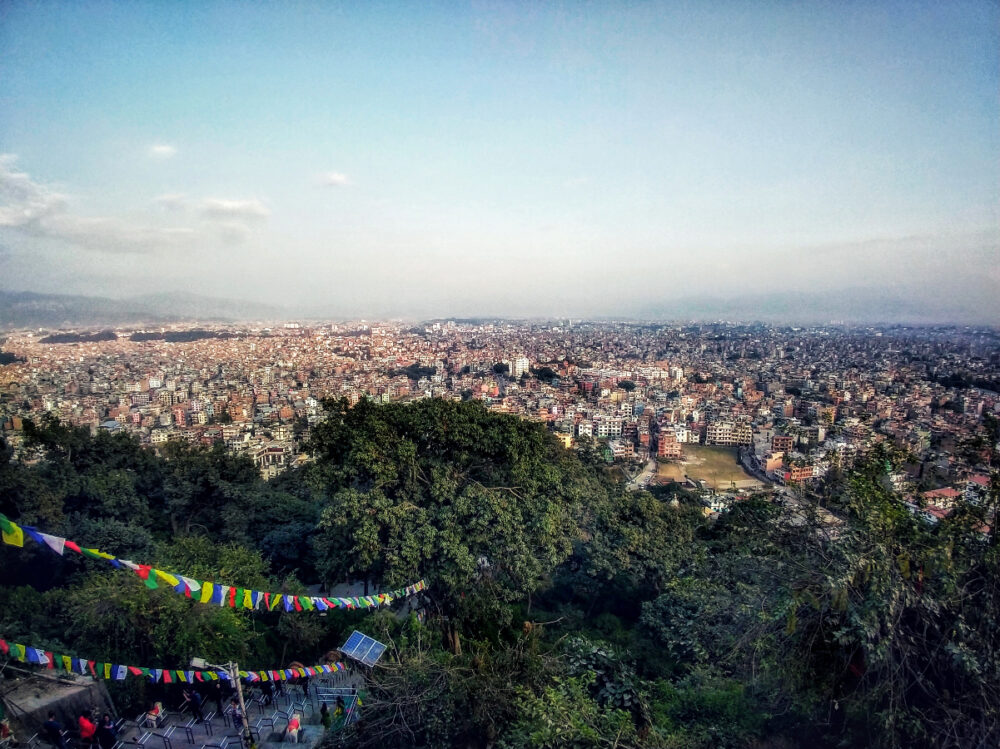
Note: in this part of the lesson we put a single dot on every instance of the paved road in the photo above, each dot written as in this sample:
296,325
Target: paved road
642,480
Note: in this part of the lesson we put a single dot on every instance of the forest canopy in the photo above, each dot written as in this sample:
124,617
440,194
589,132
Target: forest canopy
561,609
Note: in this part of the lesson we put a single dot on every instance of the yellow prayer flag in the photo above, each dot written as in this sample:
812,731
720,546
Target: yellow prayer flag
206,592
107,670
167,577
15,536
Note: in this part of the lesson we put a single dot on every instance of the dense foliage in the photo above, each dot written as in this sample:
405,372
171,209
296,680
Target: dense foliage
562,610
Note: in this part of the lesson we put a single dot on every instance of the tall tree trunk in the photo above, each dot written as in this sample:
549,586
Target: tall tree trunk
454,640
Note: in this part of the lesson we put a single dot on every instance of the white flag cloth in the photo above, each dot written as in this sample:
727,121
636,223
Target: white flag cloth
54,542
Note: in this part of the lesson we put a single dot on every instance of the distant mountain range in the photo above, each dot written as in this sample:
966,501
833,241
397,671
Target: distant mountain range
853,305
27,309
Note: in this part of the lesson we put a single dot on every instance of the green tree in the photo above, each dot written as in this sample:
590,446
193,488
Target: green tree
477,503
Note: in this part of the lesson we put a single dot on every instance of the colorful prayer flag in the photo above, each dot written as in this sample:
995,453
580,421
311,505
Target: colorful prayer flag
167,578
11,532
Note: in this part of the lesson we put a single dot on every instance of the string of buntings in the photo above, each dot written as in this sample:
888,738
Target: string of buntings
100,670
205,591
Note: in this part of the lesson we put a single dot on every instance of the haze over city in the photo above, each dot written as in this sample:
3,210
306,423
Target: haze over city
516,160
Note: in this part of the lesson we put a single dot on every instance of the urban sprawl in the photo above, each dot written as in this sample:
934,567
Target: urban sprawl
788,404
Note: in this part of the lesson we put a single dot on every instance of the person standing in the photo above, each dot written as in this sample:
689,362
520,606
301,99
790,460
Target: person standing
325,717
106,732
52,729
193,699
88,731
218,695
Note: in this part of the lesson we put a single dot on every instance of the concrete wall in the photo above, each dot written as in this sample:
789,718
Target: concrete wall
29,698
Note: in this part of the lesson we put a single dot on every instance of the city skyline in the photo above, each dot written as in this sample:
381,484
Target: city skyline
461,160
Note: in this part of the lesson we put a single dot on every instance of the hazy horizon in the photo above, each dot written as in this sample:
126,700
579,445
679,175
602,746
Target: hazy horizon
513,160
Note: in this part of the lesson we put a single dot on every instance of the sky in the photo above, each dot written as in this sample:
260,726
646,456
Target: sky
493,158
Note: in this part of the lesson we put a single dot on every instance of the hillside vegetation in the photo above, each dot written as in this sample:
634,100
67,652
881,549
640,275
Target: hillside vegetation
561,610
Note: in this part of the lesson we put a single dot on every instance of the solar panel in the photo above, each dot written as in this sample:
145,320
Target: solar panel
363,648
353,642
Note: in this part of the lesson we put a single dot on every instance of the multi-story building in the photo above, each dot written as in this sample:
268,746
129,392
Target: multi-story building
667,446
519,366
728,433
782,443
621,449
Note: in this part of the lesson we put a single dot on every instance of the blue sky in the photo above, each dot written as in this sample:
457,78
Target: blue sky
500,158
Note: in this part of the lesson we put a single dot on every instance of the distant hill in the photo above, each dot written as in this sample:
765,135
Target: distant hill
27,309
197,307
854,305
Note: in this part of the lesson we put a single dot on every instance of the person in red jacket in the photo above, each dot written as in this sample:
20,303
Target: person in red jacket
88,730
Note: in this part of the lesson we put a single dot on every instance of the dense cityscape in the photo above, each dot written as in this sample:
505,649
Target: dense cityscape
795,403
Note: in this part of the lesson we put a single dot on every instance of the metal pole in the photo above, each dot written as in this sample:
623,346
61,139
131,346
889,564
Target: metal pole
234,675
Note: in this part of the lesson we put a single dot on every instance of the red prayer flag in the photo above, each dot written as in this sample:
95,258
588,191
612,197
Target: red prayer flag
143,571
298,606
90,665
134,670
267,601
72,545
232,598
52,660
4,647
167,678
197,675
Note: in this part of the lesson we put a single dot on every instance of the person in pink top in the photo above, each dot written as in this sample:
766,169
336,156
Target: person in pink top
292,732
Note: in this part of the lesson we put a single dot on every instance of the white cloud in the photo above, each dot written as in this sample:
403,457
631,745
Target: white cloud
162,151
24,202
32,210
334,179
219,209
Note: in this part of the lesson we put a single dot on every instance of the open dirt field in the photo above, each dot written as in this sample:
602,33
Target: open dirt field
716,465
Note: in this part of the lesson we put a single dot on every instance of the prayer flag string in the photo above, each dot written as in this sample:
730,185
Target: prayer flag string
114,671
202,591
